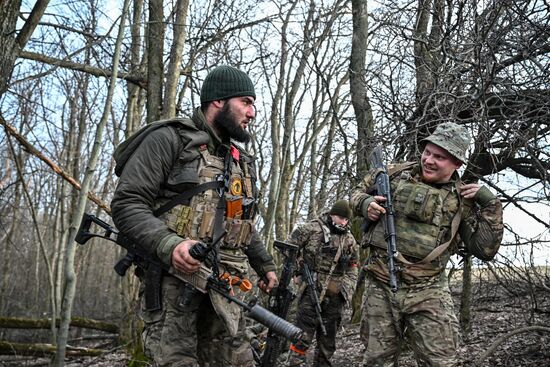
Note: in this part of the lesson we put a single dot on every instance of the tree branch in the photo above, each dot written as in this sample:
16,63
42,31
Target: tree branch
32,150
31,23
140,81
503,338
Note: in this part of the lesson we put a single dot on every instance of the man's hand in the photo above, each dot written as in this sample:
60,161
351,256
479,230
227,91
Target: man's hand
182,261
272,281
468,191
374,209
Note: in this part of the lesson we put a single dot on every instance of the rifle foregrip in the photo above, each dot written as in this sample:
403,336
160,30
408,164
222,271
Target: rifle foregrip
275,323
199,280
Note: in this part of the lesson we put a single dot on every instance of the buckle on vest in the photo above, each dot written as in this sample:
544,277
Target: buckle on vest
221,189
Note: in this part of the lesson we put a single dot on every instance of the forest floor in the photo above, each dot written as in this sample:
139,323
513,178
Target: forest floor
515,326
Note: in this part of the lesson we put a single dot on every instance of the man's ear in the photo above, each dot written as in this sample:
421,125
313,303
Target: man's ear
218,103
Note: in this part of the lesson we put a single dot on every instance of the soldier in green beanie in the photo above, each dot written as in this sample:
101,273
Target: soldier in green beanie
185,158
331,253
436,215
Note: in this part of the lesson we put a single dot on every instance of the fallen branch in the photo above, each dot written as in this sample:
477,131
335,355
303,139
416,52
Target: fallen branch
25,323
24,349
500,340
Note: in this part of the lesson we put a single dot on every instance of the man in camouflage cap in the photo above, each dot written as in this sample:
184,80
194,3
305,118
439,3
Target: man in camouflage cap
435,213
331,253
184,158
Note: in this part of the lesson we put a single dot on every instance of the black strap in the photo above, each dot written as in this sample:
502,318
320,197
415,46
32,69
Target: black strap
221,207
186,195
153,288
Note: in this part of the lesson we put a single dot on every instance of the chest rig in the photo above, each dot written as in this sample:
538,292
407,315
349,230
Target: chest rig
423,216
198,219
331,251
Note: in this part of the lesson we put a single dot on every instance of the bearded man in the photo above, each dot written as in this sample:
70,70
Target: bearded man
196,161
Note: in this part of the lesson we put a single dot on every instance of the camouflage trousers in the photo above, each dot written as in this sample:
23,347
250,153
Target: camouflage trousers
191,334
421,315
306,319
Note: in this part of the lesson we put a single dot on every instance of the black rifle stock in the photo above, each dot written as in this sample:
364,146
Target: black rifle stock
280,299
313,294
383,188
203,280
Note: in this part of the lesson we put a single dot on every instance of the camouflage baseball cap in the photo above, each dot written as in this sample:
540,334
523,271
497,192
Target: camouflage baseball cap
452,137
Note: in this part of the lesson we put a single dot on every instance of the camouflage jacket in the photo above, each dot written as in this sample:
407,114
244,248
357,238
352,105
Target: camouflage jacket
423,217
162,162
335,271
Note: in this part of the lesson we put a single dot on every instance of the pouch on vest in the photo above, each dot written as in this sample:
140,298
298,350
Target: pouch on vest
422,203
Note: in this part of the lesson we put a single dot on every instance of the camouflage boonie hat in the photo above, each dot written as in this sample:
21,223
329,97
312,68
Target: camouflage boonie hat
452,137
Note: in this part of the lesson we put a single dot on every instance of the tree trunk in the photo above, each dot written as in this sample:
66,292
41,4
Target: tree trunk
133,118
466,296
174,66
41,247
9,244
275,115
11,42
358,89
155,69
70,275
9,11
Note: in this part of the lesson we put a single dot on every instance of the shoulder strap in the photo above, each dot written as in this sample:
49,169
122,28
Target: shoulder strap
394,169
325,230
183,197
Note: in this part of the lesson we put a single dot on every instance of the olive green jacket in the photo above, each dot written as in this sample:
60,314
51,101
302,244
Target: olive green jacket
154,165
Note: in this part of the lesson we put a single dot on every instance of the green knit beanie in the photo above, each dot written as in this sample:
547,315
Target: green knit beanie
341,208
225,82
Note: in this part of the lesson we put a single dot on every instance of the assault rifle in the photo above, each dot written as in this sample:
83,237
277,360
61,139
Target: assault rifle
280,300
203,280
382,183
313,294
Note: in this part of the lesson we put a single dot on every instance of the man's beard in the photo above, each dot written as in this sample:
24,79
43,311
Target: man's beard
228,125
337,228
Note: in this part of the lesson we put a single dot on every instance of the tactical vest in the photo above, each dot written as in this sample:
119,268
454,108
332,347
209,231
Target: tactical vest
325,252
196,220
423,216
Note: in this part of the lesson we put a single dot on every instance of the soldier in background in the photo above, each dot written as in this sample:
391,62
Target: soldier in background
331,252
435,213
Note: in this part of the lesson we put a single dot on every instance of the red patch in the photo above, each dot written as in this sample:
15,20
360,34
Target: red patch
235,153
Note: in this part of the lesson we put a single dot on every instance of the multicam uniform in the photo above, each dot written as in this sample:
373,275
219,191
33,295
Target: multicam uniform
332,257
430,221
160,161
